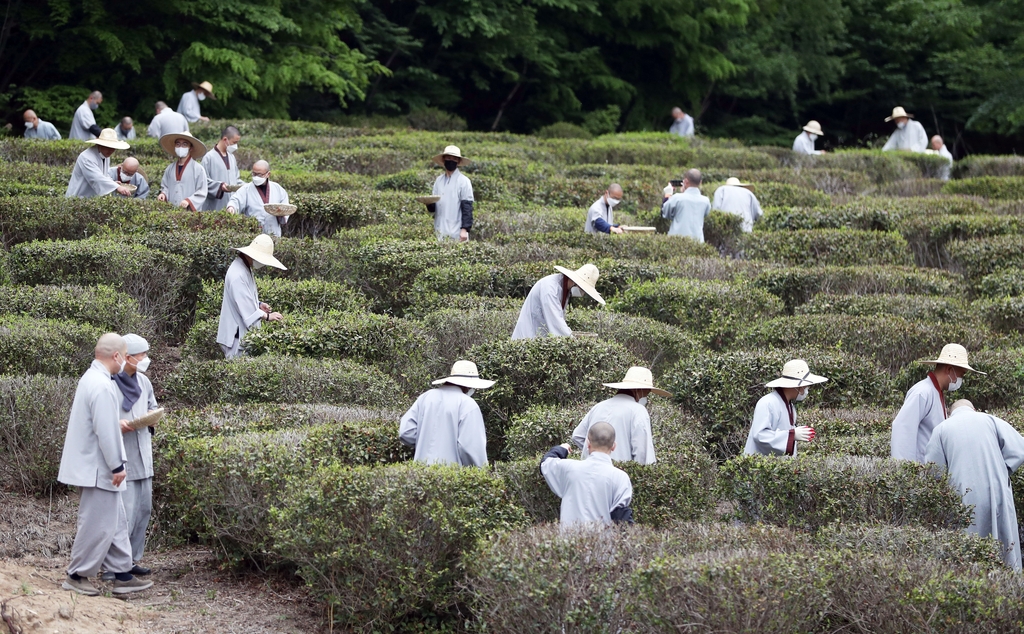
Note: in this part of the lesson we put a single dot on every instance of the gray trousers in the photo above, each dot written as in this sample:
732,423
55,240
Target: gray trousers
234,351
102,537
138,507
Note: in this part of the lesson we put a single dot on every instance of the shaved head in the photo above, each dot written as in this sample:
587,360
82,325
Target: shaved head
615,188
261,166
677,112
231,133
130,165
693,177
95,95
962,403
30,115
110,344
160,106
601,437
126,122
937,142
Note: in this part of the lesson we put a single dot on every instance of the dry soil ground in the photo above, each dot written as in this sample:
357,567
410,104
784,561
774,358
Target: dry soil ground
190,595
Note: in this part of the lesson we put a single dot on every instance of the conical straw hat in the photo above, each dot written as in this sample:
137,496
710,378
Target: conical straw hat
586,278
261,249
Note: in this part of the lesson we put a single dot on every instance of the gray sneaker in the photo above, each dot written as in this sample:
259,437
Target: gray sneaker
107,576
132,585
81,586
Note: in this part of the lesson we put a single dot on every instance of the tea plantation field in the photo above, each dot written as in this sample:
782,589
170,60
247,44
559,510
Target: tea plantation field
288,461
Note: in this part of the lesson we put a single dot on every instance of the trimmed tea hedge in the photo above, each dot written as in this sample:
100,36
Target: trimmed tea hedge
978,258
99,306
656,344
811,492
913,307
34,413
796,286
323,214
288,297
999,187
45,346
983,165
1005,283
836,247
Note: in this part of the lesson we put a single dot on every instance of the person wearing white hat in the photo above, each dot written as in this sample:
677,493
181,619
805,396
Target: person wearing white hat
241,309
594,491
251,197
83,124
93,460
90,177
980,452
453,214
924,407
938,146
682,123
627,413
773,431
128,173
543,312
445,424
908,136
222,169
166,121
687,209
599,216
188,105
136,400
184,181
36,128
736,198
804,142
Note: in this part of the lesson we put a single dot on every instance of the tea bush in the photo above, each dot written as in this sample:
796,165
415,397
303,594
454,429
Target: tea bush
980,257
320,215
823,247
998,187
99,306
308,296
1004,315
912,307
795,286
981,165
657,345
33,422
1005,283
45,346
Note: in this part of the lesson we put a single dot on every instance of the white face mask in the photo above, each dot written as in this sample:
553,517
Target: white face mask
182,152
201,96
231,148
470,392
123,362
955,385
814,137
613,201
29,124
143,365
93,105
901,125
576,291
259,180
257,265
125,177
802,395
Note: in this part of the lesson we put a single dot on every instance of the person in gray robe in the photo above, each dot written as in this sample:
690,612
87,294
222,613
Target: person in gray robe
594,491
90,177
36,128
627,413
184,181
924,407
94,460
682,123
166,121
137,400
773,430
241,309
251,197
543,312
83,124
445,424
981,452
188,105
908,136
126,130
938,146
736,198
804,142
687,210
128,173
453,214
599,216
222,170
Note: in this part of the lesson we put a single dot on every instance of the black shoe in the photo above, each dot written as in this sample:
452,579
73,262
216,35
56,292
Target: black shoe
107,576
140,571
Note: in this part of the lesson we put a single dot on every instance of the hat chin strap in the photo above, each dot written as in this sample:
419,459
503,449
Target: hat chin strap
799,380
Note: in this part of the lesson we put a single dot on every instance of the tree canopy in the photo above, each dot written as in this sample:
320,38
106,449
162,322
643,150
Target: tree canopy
755,69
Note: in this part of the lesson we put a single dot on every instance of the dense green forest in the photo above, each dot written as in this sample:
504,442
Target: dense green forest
752,69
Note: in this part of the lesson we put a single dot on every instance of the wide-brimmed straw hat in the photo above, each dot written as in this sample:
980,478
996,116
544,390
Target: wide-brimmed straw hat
108,138
796,374
898,112
451,150
952,354
586,278
465,374
261,249
206,87
732,181
637,378
814,128
198,147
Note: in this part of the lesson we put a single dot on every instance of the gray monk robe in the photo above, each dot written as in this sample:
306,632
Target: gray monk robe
167,122
980,452
239,310
83,124
593,491
446,427
138,446
141,184
923,410
185,182
91,176
632,424
249,201
543,312
772,431
220,170
93,452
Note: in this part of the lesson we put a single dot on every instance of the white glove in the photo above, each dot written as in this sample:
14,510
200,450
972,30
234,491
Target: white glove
669,190
804,434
